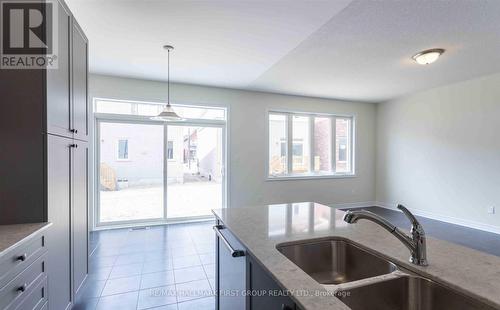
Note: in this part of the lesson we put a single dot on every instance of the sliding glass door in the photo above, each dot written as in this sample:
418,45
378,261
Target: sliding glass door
195,170
131,161
152,171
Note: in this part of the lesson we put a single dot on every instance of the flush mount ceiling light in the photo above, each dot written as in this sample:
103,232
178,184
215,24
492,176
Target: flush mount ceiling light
428,56
168,114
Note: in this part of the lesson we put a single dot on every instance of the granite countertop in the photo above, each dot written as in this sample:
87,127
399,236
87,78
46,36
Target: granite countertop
261,228
11,235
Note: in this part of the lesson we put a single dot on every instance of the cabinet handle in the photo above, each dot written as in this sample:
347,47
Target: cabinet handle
22,258
74,130
22,288
234,253
73,145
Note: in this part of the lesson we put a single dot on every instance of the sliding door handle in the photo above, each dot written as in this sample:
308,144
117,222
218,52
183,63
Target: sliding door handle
234,253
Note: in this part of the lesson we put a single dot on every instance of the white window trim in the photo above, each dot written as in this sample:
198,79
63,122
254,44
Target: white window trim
289,135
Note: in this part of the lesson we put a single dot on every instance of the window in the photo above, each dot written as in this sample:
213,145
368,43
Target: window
309,145
322,161
342,143
122,149
283,148
278,146
301,143
123,107
170,150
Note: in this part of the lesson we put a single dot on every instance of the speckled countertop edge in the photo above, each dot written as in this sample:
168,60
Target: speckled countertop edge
12,235
471,272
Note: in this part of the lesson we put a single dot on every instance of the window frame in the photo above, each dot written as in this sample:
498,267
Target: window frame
289,175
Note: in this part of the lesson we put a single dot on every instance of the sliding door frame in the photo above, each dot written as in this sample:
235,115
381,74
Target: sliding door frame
134,119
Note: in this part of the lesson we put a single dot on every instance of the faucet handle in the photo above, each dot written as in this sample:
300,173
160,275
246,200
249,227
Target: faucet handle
409,215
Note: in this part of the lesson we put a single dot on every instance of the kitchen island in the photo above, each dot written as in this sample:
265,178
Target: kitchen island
256,232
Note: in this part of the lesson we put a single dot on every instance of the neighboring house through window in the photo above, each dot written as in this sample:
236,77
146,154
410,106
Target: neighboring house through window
310,145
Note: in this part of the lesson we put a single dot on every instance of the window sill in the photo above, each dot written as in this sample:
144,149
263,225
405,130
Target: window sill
310,177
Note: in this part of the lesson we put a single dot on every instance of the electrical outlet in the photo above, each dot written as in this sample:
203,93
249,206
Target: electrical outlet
491,210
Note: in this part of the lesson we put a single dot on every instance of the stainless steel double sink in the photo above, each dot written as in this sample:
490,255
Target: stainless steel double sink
363,280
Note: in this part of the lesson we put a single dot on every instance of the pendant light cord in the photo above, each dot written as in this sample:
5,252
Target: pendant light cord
168,77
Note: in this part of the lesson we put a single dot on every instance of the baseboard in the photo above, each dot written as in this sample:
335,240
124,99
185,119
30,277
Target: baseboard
444,218
353,205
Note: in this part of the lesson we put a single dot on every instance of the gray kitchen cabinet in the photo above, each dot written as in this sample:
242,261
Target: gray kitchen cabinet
59,151
43,116
259,280
58,102
23,276
67,108
79,210
80,108
230,271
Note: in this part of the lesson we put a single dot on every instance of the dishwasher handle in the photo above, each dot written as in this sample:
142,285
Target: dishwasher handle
234,253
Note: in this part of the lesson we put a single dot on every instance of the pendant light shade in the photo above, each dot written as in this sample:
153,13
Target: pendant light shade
168,114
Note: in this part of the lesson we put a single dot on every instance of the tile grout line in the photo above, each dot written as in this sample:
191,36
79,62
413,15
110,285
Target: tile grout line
140,284
173,273
170,258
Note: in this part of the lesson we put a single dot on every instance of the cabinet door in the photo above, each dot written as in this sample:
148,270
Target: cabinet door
58,80
79,213
80,111
58,211
259,280
230,276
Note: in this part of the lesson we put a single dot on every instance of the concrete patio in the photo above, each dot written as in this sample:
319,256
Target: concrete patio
146,202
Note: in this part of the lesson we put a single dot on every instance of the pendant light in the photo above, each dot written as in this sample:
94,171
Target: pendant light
168,114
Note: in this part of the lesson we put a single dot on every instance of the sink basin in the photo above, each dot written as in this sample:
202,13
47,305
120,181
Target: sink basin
335,260
408,293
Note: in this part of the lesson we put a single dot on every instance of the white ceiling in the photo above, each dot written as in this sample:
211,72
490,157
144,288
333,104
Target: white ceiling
354,50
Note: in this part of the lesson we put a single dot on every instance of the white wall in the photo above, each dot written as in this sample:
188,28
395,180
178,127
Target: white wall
438,152
247,138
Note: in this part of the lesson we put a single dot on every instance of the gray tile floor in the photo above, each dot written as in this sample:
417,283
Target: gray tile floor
172,267
163,267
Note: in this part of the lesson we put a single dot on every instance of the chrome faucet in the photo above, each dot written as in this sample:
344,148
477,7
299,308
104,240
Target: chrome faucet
415,243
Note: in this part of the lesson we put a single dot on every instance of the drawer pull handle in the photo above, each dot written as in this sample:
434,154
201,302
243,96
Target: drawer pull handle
22,258
74,131
22,288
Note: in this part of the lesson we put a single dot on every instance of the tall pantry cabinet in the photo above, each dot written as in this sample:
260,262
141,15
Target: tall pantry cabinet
44,156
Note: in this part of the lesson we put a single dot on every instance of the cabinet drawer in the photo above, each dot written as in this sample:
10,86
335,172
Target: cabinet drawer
23,285
19,258
36,300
